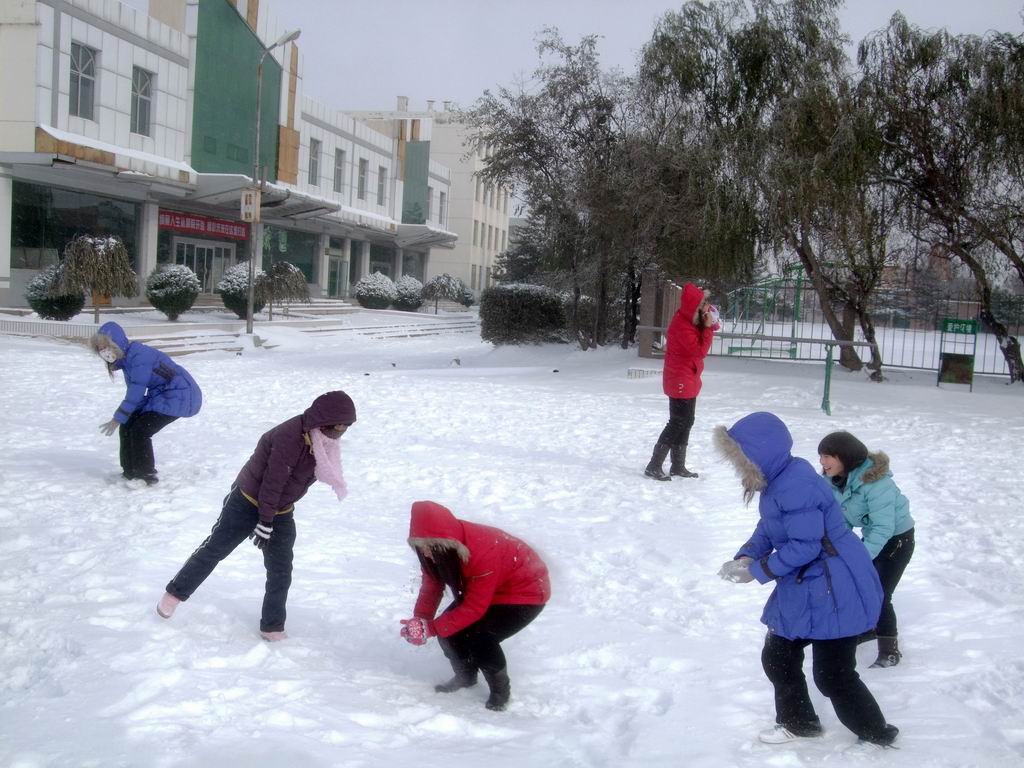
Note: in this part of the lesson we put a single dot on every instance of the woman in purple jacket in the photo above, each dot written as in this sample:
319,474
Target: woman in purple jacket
261,504
159,391
826,589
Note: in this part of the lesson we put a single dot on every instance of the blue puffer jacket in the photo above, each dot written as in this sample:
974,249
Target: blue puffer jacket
155,382
825,584
872,502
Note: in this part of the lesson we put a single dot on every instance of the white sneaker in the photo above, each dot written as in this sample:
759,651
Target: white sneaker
168,603
780,734
864,748
273,637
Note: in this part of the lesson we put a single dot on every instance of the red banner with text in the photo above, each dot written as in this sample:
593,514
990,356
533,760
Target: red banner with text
199,225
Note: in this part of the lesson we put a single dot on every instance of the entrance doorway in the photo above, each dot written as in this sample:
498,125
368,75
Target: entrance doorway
336,274
207,258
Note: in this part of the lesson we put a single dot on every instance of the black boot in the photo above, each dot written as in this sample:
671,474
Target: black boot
457,683
654,469
501,689
464,669
888,652
678,468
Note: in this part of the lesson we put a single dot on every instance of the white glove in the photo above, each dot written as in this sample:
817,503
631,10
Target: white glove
109,427
737,571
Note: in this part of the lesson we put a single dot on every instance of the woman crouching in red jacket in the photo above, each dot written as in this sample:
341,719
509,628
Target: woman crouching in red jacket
500,585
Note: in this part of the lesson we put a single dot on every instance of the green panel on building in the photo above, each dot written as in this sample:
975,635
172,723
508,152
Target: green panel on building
224,111
417,169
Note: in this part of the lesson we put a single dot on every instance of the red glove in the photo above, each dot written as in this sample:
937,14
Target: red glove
416,631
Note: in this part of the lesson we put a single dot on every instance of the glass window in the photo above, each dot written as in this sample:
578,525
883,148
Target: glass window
504,208
45,219
382,259
382,182
83,81
490,236
339,170
472,279
442,210
430,200
364,167
477,197
504,239
412,265
314,162
142,100
299,248
476,232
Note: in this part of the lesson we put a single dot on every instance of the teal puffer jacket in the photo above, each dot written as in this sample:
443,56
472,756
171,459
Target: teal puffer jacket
872,502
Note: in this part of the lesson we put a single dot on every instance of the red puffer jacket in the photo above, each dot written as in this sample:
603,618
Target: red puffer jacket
497,568
688,345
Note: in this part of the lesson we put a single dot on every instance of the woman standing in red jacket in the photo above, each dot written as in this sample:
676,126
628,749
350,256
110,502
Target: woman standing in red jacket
500,585
689,339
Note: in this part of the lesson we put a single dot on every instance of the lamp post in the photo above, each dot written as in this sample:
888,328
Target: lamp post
257,179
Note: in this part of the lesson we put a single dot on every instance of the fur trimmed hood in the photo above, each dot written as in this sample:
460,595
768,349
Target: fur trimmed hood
110,336
691,300
879,467
434,526
758,446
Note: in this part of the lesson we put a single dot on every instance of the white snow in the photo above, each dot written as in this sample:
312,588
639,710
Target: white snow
644,657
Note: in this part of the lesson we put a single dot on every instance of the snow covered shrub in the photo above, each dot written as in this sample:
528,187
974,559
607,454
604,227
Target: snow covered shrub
173,289
516,313
52,307
376,291
234,289
409,293
466,299
443,287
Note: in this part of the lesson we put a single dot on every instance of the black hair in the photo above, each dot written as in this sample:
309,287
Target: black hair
446,567
845,447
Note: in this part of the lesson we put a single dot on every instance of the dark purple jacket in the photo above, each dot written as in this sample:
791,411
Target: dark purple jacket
280,470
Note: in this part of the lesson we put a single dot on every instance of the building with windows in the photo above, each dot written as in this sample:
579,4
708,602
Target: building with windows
477,213
144,127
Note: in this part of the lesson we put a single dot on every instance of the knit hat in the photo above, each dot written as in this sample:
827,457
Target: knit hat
845,447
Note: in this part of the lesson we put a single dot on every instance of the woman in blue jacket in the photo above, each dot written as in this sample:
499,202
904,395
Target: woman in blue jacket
871,501
826,591
159,391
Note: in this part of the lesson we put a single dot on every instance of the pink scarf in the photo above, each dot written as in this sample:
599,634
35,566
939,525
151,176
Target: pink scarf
327,453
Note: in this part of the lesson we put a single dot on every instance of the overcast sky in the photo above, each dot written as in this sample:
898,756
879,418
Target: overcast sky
362,54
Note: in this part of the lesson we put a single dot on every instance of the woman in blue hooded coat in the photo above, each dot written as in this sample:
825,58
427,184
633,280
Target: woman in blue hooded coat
159,391
826,589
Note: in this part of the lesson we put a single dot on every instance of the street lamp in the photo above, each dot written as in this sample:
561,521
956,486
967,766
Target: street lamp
257,178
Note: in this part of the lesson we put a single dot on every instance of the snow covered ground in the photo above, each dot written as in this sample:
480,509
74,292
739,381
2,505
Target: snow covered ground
644,657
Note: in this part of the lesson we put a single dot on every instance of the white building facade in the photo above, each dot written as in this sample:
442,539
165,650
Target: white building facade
477,213
143,126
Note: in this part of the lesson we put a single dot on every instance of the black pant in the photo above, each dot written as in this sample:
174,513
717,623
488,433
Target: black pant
137,444
478,645
835,673
890,564
680,420
237,520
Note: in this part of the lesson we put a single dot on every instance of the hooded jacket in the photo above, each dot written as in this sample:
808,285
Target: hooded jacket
688,345
498,568
872,502
282,467
155,382
825,584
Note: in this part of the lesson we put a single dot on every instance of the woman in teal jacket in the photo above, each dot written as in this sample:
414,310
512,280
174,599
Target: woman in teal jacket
871,501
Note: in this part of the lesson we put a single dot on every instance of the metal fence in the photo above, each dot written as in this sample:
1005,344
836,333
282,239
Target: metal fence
907,323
